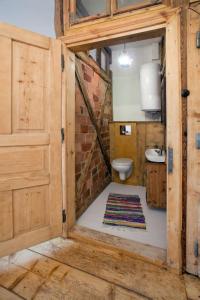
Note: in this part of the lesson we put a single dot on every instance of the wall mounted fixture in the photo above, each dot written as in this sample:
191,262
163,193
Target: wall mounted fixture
125,61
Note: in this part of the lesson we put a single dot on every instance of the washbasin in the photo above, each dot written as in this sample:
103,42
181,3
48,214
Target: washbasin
155,155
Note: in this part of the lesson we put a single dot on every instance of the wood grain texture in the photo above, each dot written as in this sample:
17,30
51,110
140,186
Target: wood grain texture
130,248
144,135
193,162
6,223
30,275
30,149
156,175
5,85
174,140
68,98
145,279
24,36
82,36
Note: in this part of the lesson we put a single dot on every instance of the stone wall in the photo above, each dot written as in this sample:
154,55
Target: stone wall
92,175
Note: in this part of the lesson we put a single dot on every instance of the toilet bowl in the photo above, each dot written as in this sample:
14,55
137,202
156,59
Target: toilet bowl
124,166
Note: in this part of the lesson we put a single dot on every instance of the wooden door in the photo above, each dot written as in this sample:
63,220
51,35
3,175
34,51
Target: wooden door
193,188
30,141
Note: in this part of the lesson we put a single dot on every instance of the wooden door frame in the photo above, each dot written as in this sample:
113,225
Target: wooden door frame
132,27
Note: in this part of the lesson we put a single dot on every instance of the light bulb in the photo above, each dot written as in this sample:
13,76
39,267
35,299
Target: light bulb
124,59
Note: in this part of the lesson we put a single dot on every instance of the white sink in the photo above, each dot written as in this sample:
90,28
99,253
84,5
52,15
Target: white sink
155,155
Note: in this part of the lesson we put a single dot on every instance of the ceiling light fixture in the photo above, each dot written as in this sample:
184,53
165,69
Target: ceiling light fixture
125,61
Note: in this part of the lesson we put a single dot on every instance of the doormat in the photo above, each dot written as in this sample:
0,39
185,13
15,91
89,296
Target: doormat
124,210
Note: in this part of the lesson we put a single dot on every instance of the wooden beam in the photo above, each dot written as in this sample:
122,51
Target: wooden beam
89,61
193,161
118,27
92,117
58,18
68,150
174,141
130,248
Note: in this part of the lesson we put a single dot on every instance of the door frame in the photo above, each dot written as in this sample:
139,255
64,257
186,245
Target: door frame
135,26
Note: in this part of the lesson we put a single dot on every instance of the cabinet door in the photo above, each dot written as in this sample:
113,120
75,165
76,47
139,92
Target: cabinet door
30,142
152,186
156,185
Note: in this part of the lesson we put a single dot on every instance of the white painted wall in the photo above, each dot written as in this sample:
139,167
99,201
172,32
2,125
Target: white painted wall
34,15
126,82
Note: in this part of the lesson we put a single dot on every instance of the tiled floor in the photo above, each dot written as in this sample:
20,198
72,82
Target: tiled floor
154,235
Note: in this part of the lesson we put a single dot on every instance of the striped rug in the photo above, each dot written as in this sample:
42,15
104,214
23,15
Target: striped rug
124,210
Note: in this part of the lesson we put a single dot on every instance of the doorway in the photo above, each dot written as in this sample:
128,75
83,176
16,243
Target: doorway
171,31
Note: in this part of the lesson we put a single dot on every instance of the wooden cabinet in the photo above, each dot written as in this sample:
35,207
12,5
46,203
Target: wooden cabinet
156,185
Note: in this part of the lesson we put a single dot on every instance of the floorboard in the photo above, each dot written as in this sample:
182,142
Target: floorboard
68,270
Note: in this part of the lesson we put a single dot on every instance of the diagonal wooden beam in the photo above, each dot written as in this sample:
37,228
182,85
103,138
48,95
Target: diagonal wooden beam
92,118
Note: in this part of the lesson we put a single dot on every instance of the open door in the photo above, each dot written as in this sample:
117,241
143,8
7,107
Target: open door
30,139
193,194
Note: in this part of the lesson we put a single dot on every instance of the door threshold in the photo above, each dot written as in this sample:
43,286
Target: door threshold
134,249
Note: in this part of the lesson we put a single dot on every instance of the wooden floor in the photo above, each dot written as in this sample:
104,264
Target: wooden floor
66,269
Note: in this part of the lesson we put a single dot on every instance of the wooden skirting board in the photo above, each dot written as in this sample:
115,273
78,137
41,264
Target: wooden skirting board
134,249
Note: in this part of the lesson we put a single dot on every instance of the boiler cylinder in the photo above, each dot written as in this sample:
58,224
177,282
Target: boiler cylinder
150,83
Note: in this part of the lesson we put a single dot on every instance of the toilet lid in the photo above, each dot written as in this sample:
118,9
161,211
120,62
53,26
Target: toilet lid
122,161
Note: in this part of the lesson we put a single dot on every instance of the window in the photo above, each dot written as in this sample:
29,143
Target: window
87,8
123,4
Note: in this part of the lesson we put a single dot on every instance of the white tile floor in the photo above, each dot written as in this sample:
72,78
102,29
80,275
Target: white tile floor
155,234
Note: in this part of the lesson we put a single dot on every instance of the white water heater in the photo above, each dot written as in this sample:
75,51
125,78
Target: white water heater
150,84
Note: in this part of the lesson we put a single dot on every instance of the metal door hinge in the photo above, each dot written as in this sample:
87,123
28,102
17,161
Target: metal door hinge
64,216
62,135
62,62
170,160
196,248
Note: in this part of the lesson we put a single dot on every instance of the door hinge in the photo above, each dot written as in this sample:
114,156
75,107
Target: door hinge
62,62
64,216
170,160
196,248
62,135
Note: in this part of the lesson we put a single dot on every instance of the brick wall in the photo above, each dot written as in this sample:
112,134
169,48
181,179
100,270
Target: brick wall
91,172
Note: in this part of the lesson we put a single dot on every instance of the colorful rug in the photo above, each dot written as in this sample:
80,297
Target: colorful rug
124,210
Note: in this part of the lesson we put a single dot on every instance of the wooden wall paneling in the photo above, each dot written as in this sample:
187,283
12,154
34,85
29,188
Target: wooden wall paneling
68,98
30,153
193,162
141,147
174,140
155,135
5,82
144,135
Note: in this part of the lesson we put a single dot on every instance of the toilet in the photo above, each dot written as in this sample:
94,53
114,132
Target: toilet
124,166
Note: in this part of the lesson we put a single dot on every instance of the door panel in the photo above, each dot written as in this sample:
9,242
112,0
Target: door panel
30,141
193,188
